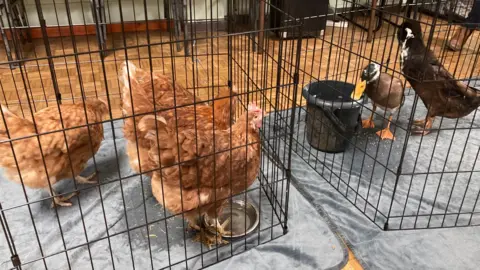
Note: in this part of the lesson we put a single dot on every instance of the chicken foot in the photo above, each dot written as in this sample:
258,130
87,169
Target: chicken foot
221,228
59,200
209,239
64,200
86,180
205,235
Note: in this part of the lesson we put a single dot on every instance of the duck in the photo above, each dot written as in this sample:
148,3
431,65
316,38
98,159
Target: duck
440,92
385,91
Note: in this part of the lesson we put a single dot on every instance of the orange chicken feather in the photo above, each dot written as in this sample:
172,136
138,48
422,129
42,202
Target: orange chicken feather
54,156
148,93
201,170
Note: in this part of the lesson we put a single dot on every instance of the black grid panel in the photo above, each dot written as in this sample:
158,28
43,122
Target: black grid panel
119,222
413,182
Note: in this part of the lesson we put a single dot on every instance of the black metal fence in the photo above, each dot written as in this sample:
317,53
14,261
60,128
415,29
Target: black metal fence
413,182
78,54
74,53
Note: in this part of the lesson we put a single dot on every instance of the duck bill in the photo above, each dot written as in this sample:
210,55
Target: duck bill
359,89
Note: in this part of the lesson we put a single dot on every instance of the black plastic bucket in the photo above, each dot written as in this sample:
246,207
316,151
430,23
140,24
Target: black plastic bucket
332,116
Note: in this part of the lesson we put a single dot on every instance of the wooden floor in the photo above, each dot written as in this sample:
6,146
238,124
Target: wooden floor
340,55
352,263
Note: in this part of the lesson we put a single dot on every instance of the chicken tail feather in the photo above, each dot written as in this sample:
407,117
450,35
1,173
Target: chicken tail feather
7,112
129,70
12,121
128,81
10,117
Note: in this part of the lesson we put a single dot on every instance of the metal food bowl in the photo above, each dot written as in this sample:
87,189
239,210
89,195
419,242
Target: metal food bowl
244,218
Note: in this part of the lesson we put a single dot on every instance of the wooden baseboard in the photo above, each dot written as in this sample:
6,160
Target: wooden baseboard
83,30
352,263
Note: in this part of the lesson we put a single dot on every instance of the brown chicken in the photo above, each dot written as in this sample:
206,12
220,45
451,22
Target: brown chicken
164,96
60,157
201,170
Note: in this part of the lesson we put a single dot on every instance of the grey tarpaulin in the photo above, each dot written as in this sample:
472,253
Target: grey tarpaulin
452,151
310,244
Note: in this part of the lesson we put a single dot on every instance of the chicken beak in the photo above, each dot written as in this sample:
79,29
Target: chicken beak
359,89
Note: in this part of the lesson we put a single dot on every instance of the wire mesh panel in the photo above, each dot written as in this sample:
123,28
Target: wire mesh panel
168,118
427,177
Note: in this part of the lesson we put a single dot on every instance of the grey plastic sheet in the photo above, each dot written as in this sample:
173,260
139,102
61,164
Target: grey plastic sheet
364,177
112,218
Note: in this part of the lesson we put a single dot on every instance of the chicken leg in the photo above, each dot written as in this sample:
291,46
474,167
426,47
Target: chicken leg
86,180
368,123
61,200
192,224
386,133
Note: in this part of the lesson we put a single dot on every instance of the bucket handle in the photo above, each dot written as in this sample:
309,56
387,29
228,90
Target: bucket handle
332,117
339,124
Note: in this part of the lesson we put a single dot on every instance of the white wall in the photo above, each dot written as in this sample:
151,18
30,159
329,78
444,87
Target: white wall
345,4
55,13
341,4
